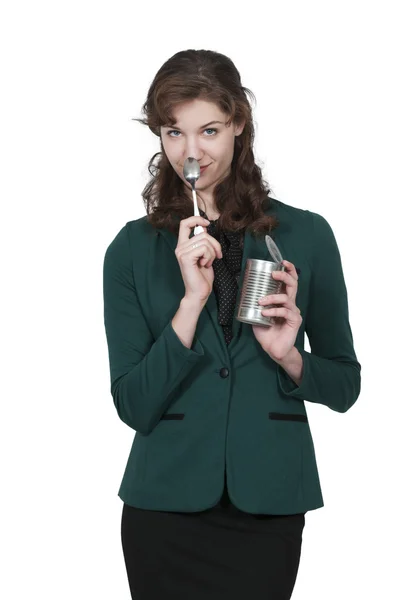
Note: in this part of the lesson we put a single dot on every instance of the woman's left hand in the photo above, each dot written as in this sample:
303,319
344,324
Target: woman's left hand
278,339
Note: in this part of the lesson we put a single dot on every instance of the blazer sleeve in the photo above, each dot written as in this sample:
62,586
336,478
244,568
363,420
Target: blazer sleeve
144,371
331,372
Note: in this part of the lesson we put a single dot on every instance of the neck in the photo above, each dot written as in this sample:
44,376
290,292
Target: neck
208,208
205,204
210,214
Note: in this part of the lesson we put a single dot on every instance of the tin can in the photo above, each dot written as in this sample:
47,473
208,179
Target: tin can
258,282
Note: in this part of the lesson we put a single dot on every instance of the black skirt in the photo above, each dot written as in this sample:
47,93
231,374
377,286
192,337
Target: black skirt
217,554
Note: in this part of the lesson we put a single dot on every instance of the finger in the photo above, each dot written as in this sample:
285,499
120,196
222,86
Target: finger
203,250
290,282
279,299
204,236
186,225
290,268
285,276
272,298
290,315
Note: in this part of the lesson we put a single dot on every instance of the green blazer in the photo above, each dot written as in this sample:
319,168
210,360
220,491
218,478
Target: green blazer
197,410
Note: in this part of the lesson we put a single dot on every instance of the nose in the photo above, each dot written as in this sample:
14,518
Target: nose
192,149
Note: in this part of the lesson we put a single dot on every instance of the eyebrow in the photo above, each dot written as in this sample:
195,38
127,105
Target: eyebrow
202,127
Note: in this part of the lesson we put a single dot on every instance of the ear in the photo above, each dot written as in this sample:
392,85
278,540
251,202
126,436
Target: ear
239,128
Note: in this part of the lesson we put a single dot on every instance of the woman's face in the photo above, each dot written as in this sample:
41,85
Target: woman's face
195,134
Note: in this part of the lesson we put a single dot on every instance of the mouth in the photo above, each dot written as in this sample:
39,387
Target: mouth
204,168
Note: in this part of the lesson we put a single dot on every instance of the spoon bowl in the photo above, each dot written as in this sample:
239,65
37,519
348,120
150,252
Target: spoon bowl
191,170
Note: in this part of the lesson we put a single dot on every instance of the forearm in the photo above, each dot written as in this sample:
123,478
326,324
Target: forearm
143,394
145,371
331,373
292,363
185,320
334,383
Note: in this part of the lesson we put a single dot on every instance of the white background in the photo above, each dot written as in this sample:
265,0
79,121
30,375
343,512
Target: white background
73,166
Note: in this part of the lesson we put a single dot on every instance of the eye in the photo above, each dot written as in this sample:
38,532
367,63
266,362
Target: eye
176,131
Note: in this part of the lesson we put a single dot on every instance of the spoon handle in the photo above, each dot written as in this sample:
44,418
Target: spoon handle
198,228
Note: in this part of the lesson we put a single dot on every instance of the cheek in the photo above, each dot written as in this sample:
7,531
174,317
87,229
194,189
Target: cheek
225,149
172,155
167,150
224,155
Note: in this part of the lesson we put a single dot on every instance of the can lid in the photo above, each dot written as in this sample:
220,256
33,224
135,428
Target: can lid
273,249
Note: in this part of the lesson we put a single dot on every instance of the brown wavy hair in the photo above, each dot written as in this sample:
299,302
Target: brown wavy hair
242,197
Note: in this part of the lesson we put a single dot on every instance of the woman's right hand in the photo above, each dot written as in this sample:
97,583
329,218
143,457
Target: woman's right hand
196,263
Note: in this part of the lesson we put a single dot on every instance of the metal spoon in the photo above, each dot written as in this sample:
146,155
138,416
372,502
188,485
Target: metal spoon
192,173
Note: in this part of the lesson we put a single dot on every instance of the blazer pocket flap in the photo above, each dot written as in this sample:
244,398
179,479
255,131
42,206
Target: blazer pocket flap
173,416
287,417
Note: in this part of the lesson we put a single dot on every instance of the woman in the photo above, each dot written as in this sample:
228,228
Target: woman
222,467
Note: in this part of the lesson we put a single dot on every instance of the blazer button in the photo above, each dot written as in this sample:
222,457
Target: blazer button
224,372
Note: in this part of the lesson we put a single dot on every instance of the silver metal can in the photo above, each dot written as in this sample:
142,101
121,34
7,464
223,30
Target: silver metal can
258,282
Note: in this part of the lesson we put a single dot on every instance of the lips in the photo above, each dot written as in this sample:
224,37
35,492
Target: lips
204,167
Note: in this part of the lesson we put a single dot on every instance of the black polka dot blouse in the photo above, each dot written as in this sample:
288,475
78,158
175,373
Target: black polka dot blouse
226,273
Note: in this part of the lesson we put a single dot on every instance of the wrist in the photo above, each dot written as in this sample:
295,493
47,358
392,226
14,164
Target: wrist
288,358
292,363
193,304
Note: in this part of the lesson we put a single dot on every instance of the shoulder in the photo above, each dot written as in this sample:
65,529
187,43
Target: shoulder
309,230
310,221
133,234
287,213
